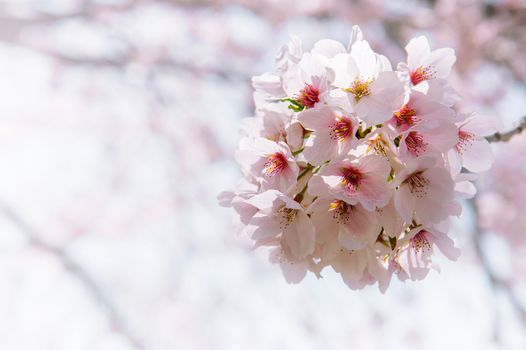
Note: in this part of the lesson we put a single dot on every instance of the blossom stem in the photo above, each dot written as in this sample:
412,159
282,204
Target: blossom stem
506,136
299,196
295,153
305,172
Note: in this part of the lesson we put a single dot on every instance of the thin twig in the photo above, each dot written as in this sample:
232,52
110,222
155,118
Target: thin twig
76,270
506,136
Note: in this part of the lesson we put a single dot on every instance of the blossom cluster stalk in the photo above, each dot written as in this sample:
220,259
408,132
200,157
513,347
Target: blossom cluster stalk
351,164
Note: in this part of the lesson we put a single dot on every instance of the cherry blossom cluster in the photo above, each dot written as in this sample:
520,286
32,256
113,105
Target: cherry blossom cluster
351,164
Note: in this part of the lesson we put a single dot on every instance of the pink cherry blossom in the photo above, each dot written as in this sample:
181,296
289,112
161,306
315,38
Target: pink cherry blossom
307,82
428,139
332,134
373,89
416,250
268,163
294,270
426,192
380,142
350,165
426,64
238,201
282,220
420,109
355,227
472,150
361,267
269,123
361,180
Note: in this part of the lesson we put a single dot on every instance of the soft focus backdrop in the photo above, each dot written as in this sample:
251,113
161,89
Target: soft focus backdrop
118,121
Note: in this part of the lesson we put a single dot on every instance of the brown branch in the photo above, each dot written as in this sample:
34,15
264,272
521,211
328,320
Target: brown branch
76,270
506,136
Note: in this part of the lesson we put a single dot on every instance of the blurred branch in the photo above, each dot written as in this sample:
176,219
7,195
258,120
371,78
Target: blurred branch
496,282
125,60
164,64
12,28
506,136
76,270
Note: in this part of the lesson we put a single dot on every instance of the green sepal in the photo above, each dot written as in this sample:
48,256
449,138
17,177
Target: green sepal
360,134
294,105
397,141
392,242
391,175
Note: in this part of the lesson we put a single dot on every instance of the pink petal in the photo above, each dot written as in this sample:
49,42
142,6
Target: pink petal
300,236
446,245
478,157
262,227
441,61
328,48
319,149
316,118
225,198
317,186
264,200
356,35
294,272
417,49
404,203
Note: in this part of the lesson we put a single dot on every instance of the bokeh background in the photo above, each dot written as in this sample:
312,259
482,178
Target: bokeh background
118,122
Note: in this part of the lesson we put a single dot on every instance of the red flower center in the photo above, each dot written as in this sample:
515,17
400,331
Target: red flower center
341,130
275,164
465,139
351,178
406,116
421,74
309,96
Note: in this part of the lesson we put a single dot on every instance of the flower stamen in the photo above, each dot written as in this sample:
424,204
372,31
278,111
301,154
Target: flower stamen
465,139
309,96
351,178
359,89
275,164
422,74
419,242
406,116
341,129
417,184
377,145
340,211
287,217
415,143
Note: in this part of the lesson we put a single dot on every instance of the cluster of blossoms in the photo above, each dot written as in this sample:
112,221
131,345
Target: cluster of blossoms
351,164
